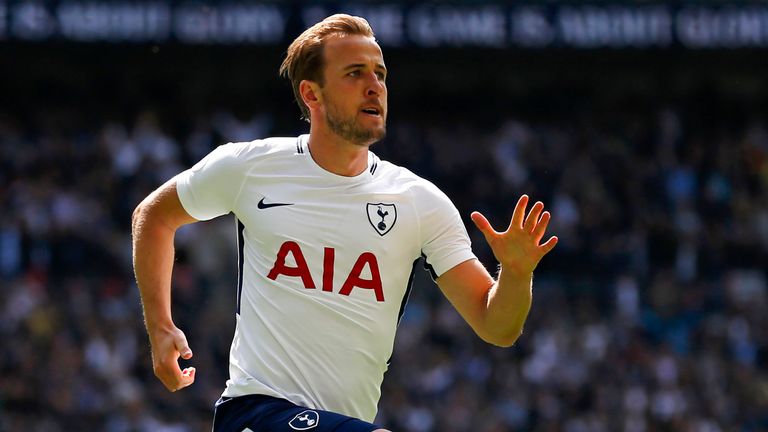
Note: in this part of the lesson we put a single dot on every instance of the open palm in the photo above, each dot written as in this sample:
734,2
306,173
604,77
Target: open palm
518,249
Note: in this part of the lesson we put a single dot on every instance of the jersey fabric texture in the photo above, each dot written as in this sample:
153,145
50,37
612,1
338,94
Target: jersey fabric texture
264,413
326,264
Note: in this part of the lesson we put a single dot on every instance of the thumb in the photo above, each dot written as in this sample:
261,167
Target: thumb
183,347
482,224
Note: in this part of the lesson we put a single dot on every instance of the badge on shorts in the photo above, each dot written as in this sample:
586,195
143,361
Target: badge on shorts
305,420
382,217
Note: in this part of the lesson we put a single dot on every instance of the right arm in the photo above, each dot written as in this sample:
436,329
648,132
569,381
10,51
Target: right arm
153,228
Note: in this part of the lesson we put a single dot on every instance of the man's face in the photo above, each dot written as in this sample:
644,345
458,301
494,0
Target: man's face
354,91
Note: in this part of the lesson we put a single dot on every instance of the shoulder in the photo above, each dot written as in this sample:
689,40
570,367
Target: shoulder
240,156
407,179
262,147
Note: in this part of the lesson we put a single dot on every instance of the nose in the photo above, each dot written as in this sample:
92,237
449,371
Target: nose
375,86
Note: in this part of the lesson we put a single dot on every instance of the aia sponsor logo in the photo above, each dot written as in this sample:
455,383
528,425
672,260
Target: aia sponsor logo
366,264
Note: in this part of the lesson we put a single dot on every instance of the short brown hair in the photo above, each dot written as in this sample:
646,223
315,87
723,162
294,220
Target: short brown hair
304,59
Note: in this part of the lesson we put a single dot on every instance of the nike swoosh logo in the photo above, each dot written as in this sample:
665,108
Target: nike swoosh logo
262,205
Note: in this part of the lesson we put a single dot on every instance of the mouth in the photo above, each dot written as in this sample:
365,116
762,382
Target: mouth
372,110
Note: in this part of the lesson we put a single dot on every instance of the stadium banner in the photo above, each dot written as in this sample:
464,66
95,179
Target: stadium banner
613,25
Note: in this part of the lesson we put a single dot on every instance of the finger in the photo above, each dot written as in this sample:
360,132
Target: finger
519,213
533,216
483,225
183,346
541,227
549,245
175,379
187,378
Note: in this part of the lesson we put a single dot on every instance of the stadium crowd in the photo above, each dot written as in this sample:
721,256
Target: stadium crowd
650,315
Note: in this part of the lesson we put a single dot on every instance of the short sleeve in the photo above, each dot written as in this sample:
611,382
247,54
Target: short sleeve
210,188
444,239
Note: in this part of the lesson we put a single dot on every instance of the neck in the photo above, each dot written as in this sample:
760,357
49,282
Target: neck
335,154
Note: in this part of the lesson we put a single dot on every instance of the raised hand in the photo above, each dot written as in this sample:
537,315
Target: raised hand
167,346
517,249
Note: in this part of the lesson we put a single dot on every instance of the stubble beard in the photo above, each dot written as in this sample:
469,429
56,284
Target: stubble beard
350,129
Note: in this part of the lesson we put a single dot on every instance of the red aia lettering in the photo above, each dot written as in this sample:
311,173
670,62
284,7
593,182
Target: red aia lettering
329,256
353,280
301,270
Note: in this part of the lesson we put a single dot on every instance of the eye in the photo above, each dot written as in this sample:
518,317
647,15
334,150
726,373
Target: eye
382,76
354,73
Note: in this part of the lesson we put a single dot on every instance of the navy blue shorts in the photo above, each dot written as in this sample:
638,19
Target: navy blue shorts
259,413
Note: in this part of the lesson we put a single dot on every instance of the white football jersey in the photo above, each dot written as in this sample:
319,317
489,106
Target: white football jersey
325,266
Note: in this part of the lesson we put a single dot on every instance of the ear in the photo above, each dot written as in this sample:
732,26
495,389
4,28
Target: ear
310,93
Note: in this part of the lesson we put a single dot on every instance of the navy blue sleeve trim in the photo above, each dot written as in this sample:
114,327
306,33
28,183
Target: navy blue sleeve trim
408,290
240,261
429,268
406,296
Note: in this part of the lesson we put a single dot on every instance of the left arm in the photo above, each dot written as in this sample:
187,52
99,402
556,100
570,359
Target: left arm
497,309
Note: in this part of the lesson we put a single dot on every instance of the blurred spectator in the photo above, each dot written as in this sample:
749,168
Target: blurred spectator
650,315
